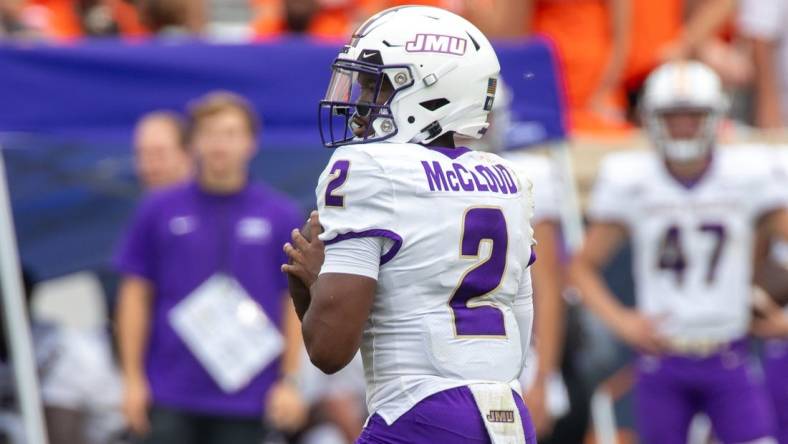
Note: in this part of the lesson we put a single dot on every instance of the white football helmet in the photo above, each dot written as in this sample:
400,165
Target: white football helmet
685,86
409,75
500,120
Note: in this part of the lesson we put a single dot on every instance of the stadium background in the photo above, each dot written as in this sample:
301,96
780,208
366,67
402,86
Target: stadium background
71,92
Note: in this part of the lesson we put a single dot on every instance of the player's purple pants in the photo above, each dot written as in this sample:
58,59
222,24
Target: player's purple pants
670,390
775,367
450,417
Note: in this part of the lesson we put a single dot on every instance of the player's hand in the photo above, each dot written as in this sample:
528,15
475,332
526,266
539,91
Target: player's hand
536,400
640,332
285,409
306,255
136,400
769,321
771,327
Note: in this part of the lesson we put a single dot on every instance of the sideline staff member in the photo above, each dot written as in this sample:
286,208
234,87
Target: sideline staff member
161,154
199,262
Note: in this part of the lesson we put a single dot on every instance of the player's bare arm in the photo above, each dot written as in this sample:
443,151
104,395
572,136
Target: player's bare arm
776,224
334,309
770,320
549,311
602,242
133,316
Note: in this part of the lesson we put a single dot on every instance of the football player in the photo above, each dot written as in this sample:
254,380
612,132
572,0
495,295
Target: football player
771,322
691,211
423,255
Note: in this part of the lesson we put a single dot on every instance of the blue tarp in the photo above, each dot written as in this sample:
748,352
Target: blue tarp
98,90
66,116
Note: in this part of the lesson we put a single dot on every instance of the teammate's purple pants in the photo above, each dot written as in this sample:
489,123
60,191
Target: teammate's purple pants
775,367
670,390
449,417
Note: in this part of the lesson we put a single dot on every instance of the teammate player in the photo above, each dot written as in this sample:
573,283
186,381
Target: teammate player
424,257
772,323
691,211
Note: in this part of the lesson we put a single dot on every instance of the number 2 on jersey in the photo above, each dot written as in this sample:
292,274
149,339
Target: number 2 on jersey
481,224
671,253
339,172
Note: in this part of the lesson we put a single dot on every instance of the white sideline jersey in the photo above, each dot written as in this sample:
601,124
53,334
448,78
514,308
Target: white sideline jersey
453,303
693,243
541,172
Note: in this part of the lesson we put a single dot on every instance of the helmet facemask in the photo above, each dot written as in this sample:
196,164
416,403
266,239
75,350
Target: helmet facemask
683,134
357,105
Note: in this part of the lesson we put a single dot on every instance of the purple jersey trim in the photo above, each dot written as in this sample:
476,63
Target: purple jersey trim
532,259
451,153
690,183
373,233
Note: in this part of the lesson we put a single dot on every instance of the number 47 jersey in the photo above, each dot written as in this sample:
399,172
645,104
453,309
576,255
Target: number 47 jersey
453,304
692,243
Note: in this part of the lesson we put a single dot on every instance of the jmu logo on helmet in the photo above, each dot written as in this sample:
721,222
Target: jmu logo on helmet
444,44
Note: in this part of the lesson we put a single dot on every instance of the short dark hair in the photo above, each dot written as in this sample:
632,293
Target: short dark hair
173,118
220,101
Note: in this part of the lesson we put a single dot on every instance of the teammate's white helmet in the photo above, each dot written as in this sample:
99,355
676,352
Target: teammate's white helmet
427,71
685,86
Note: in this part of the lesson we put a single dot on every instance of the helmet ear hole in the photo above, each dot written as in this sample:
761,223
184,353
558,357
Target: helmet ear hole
411,119
434,104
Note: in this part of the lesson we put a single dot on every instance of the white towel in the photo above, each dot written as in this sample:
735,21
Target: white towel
499,412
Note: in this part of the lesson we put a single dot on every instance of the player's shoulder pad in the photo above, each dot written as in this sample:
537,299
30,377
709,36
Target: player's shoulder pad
524,181
752,162
354,195
627,167
521,176
359,153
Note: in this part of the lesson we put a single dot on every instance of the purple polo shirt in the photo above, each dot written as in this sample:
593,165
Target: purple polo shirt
178,239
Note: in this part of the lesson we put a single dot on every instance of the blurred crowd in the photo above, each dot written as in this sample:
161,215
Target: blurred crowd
606,47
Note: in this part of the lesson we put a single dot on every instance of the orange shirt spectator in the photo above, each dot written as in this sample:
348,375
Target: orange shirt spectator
60,19
591,38
332,19
678,29
658,23
451,5
495,18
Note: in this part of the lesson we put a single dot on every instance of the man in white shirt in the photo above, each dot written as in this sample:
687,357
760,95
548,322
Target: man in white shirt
765,22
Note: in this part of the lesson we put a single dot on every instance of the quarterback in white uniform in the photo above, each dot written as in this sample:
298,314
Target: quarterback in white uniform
692,212
419,251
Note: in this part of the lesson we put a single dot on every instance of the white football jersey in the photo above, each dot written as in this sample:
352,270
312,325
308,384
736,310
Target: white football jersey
546,188
453,270
693,243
